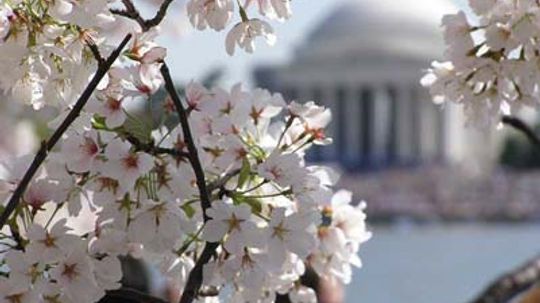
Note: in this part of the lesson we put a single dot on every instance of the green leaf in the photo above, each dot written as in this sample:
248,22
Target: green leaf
255,204
138,127
98,123
245,171
188,209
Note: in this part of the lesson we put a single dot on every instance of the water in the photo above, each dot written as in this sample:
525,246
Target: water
439,263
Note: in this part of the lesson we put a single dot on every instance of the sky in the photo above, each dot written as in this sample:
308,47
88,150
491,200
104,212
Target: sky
195,53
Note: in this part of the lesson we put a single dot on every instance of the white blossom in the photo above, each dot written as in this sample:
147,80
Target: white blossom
244,33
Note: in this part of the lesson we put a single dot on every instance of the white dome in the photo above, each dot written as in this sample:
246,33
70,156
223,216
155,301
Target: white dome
394,28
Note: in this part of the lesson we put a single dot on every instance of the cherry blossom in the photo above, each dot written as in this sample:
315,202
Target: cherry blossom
157,225
233,221
289,233
212,13
124,165
244,33
49,246
227,182
75,275
490,67
81,151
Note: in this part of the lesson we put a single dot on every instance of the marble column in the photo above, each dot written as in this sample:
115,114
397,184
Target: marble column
353,127
404,124
429,130
392,147
381,124
367,97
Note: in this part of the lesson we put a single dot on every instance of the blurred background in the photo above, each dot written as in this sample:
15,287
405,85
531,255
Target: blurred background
451,208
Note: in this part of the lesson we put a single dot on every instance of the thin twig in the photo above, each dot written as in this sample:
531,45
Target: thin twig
151,148
47,146
223,180
95,51
521,126
511,284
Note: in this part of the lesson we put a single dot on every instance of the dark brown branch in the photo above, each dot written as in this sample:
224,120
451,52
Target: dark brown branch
96,53
521,126
47,146
125,293
511,284
133,13
194,281
159,15
188,138
195,278
152,149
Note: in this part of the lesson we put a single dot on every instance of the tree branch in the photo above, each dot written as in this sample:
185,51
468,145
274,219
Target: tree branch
133,13
194,281
152,149
521,126
511,284
195,278
188,138
132,294
95,52
47,146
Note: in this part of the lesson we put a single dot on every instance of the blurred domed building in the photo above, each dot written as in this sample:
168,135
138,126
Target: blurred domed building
364,61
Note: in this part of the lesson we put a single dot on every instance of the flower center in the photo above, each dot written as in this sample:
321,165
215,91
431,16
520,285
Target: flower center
131,161
89,146
280,231
70,271
113,104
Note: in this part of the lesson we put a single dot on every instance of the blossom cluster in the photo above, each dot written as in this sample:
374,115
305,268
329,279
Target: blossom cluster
492,66
232,173
217,14
271,213
43,46
46,45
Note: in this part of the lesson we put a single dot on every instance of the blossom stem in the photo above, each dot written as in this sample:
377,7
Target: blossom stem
254,187
282,193
47,146
186,245
222,181
152,149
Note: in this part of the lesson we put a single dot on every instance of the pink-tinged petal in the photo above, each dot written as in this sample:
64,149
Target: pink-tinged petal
214,230
115,119
235,242
230,40
155,54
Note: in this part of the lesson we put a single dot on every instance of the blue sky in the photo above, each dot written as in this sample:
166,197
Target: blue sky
196,53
